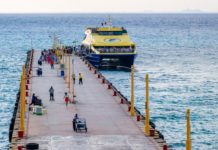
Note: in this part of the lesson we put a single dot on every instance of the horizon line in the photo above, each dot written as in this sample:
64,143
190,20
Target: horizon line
145,12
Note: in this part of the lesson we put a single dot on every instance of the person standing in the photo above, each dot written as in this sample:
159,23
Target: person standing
49,59
51,91
74,122
80,78
66,99
52,64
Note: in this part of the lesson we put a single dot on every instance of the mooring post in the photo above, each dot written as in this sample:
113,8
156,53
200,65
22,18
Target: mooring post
132,110
188,130
147,126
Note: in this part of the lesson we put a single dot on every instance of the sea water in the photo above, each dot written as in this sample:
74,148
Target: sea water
178,51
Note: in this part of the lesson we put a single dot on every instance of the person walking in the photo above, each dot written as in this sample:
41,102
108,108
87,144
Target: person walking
66,99
33,102
51,91
80,78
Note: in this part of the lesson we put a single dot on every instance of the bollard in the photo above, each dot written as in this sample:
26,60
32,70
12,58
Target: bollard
138,117
129,107
27,94
20,133
165,147
27,88
20,147
28,76
90,68
103,81
95,71
27,81
99,76
115,93
121,101
109,86
85,62
152,131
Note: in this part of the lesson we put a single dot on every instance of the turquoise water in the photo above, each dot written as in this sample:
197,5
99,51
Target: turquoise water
180,53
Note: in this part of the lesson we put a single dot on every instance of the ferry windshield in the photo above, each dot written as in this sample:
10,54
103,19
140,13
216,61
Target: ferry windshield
111,32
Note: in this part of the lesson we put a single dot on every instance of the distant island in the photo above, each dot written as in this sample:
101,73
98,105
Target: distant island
192,11
185,11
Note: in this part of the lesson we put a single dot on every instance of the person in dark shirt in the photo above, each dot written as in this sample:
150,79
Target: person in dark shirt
51,91
74,121
33,102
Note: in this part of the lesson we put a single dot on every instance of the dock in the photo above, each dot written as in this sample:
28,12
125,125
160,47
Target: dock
109,123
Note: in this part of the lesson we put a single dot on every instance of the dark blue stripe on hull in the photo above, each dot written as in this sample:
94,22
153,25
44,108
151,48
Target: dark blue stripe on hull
99,60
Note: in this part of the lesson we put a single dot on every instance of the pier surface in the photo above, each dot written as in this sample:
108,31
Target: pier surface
109,124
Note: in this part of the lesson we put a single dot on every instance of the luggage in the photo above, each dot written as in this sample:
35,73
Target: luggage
40,62
38,110
39,71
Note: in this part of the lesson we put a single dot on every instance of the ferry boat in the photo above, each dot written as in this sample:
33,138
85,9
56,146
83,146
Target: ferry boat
108,46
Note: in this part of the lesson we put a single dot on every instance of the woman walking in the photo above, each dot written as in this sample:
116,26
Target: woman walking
66,99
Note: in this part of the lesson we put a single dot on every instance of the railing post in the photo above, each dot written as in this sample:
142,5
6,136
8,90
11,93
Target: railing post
65,70
22,101
69,74
73,75
147,126
132,110
188,130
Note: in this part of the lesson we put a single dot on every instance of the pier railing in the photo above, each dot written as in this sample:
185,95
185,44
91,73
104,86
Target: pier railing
15,131
157,135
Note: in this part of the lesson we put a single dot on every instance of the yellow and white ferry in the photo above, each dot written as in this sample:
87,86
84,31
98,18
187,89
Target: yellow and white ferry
108,46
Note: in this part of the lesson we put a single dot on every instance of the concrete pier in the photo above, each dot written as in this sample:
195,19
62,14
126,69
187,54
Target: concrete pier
110,125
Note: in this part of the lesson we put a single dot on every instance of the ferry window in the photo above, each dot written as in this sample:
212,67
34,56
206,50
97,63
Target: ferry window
110,32
124,31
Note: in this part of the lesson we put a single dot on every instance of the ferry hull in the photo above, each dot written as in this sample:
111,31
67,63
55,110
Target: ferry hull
109,60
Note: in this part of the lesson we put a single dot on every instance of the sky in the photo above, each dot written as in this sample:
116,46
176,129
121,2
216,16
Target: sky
101,6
